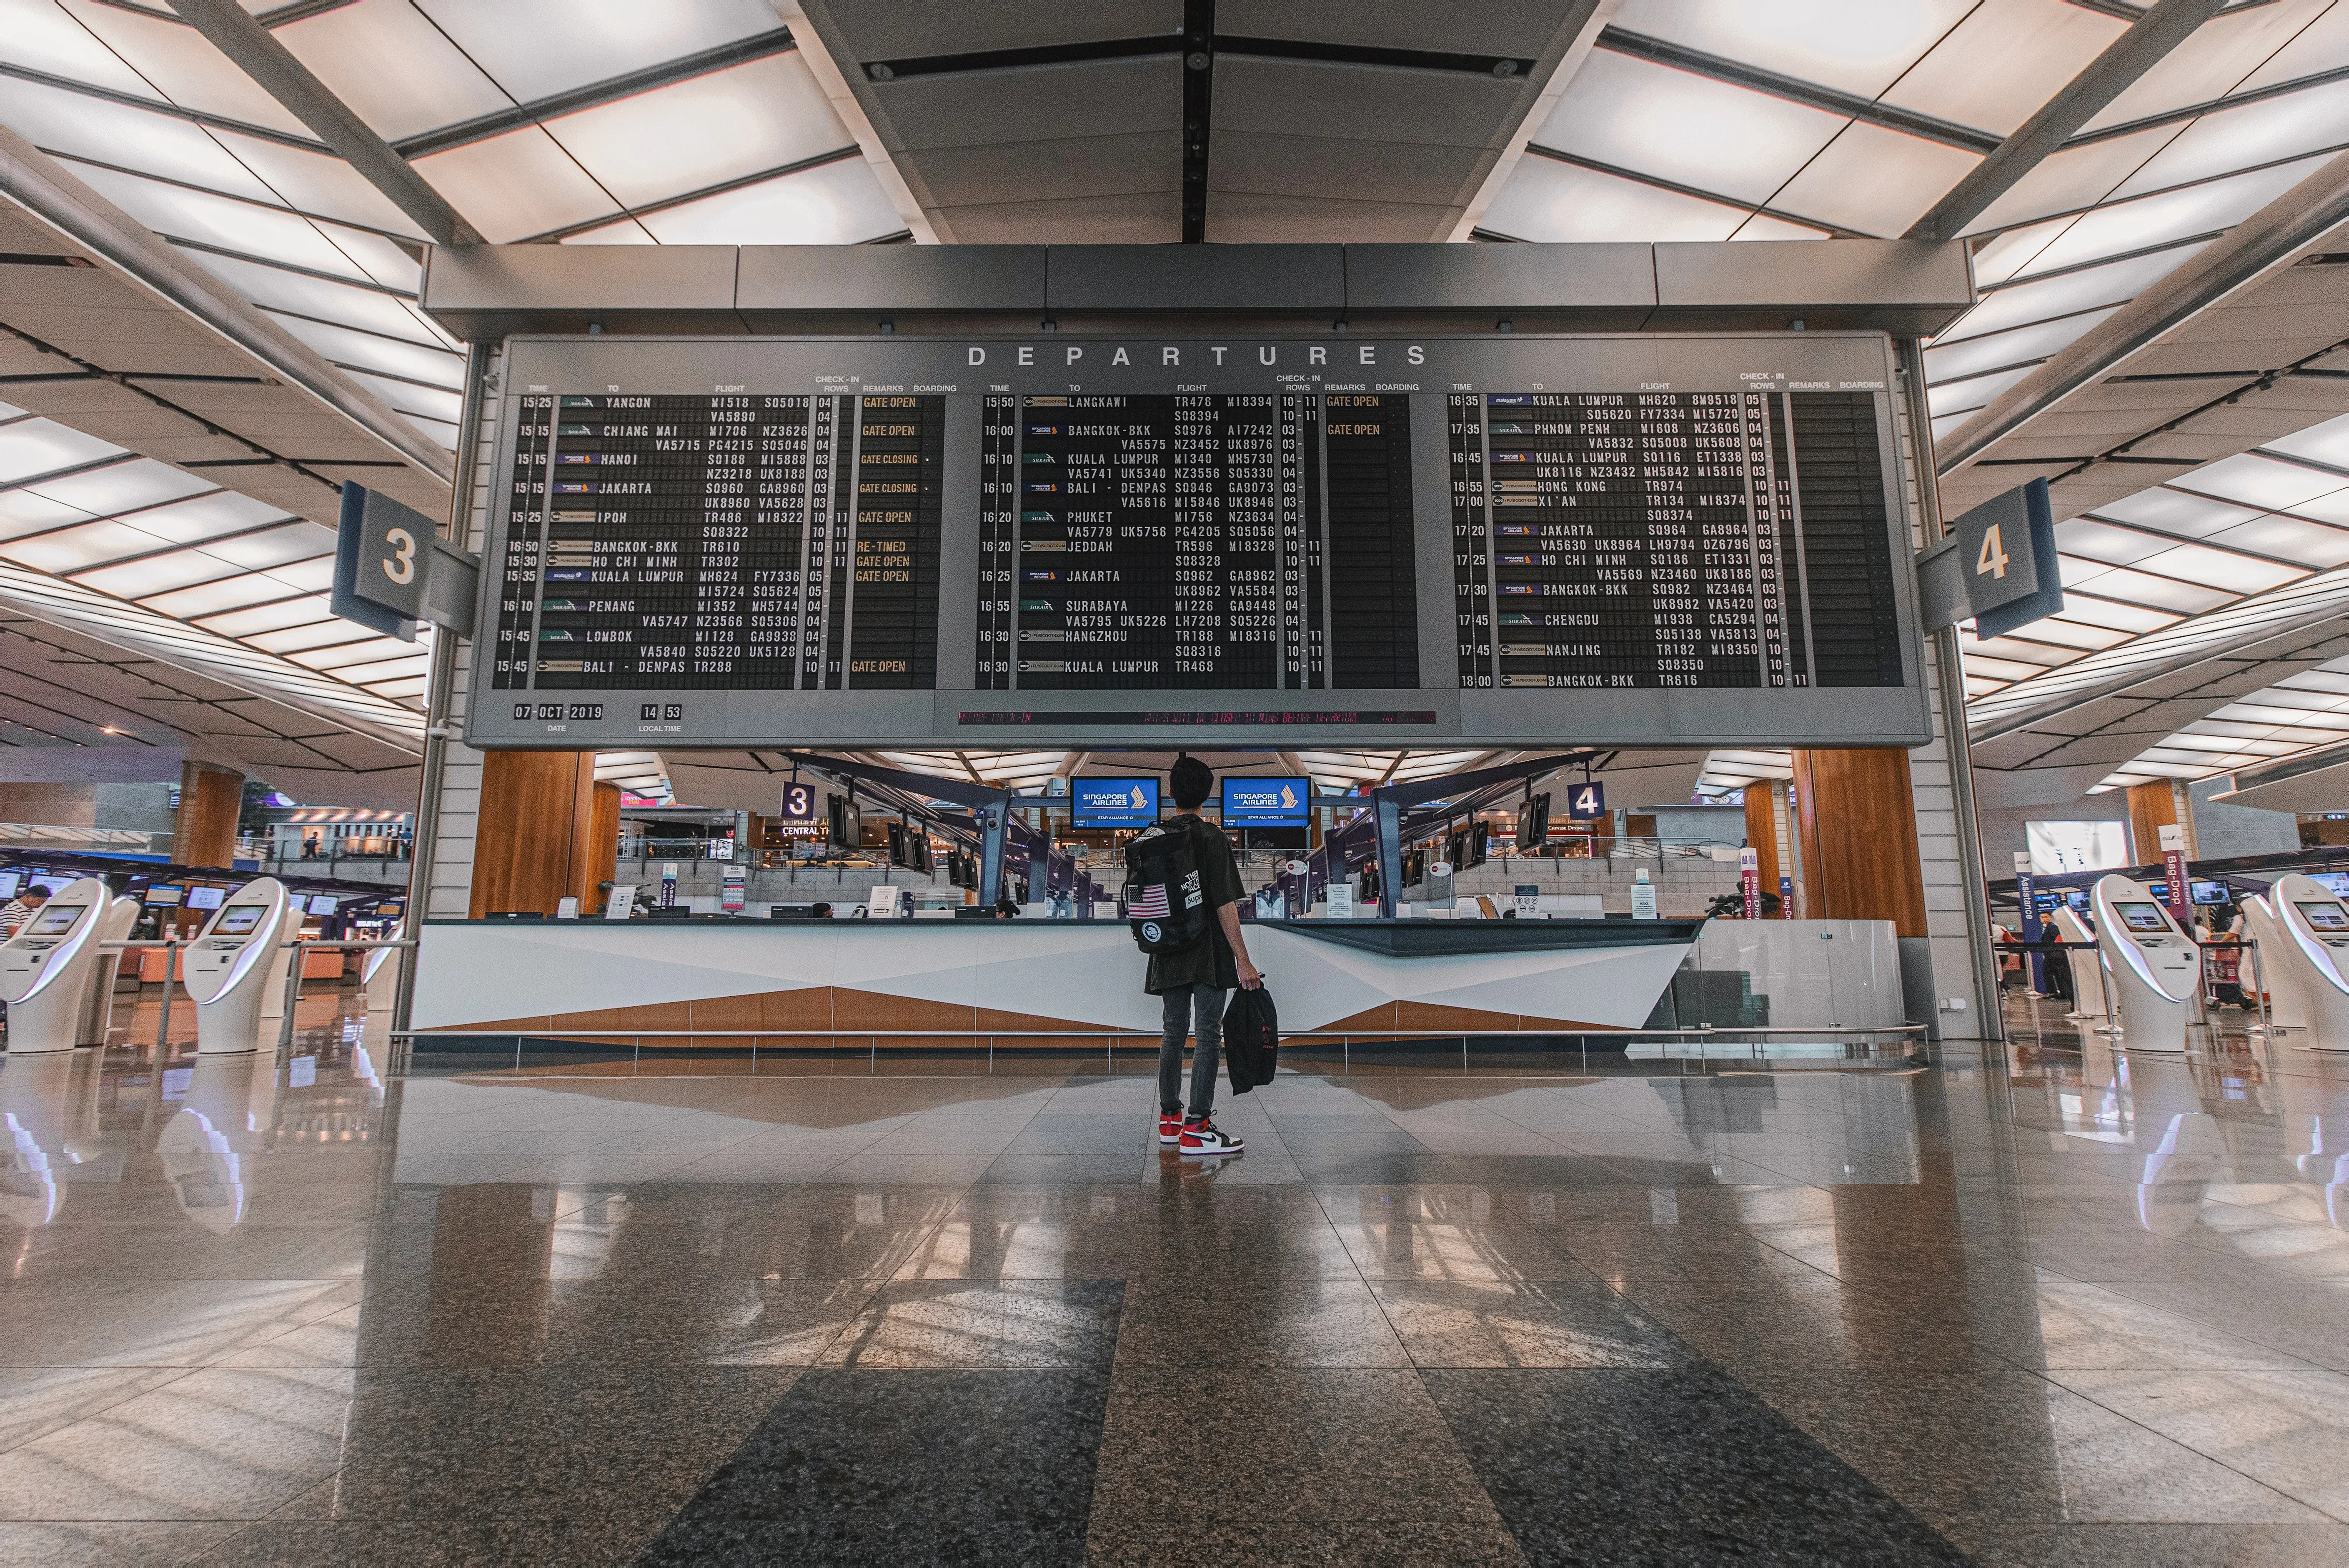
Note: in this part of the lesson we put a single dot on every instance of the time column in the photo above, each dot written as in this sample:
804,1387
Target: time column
518,580
998,507
1472,539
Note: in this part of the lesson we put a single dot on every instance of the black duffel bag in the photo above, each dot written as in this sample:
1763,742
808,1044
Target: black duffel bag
1251,1038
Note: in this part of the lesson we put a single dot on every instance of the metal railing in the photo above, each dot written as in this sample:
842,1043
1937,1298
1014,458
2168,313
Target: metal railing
1864,1036
66,839
293,976
2203,983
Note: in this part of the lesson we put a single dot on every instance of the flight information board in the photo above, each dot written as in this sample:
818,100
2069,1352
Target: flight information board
747,542
1168,541
1616,539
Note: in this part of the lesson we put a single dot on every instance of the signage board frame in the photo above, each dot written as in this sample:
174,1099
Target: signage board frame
1428,368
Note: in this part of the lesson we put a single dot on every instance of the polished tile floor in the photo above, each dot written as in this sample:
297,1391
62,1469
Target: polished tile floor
2055,1304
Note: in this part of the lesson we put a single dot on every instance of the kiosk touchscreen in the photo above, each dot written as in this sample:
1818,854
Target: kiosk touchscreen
2152,967
2316,949
232,962
2087,988
2287,996
47,968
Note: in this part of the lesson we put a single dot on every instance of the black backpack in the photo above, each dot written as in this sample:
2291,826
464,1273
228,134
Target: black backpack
1164,895
1251,1038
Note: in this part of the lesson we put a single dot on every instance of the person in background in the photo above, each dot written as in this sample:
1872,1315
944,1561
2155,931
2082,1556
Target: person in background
20,909
1193,983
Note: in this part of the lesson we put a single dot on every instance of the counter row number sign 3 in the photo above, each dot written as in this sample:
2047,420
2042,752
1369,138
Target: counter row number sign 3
392,568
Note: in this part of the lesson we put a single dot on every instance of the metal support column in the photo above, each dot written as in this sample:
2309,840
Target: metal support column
1955,745
441,690
1389,818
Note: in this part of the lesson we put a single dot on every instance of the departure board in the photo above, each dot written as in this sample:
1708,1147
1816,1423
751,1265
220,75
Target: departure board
675,542
1671,539
923,540
1175,541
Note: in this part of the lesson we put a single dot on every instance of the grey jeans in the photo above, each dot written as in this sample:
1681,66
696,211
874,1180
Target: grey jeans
1193,1010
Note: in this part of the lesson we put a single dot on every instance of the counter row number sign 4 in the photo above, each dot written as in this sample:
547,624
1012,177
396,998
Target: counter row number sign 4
1996,567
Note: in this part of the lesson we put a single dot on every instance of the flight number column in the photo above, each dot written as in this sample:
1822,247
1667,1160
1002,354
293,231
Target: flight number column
773,599
1225,533
1700,559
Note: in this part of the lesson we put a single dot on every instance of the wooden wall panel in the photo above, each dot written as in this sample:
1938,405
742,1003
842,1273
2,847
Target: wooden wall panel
537,815
203,833
2152,806
1857,814
596,857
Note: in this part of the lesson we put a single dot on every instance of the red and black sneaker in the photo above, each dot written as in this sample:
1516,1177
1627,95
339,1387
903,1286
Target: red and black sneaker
1202,1136
1170,1127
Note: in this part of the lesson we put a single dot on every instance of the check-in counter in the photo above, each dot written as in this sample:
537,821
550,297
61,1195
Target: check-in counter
1033,983
153,959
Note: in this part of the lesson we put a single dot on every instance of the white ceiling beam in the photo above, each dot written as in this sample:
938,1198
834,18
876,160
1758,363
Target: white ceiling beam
256,52
814,50
44,188
2269,237
1577,36
2149,40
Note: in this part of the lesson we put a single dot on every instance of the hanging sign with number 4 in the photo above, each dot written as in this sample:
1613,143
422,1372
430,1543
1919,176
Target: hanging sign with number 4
1996,566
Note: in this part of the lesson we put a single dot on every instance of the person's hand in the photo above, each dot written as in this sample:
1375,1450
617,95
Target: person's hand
1251,978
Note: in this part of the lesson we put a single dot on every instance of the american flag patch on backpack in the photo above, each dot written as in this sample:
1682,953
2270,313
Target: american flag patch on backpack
1150,903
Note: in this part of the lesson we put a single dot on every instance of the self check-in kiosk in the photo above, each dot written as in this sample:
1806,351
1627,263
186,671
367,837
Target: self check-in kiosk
48,967
2315,952
233,962
2152,967
2287,998
2087,989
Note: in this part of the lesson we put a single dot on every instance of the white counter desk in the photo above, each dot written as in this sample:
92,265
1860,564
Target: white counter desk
1035,983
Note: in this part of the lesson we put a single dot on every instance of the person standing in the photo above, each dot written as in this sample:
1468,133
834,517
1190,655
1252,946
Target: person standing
1192,984
20,909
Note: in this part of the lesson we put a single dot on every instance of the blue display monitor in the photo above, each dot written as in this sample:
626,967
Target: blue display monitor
1112,802
1267,802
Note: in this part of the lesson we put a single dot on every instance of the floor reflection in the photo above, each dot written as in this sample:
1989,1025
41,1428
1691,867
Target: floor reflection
2038,1304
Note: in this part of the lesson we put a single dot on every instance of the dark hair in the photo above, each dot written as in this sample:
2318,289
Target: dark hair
1191,782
